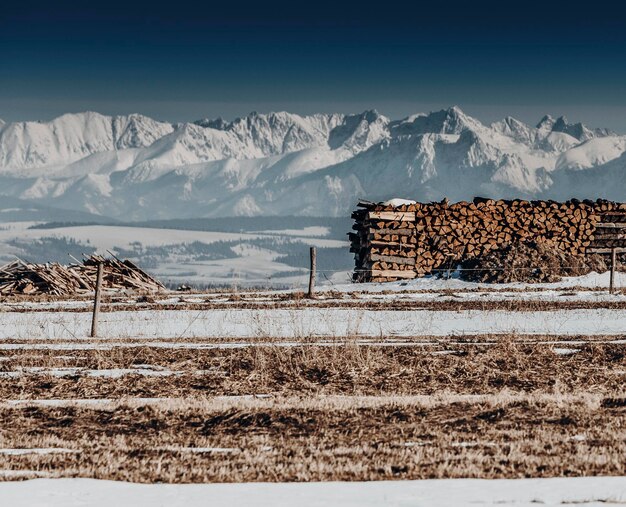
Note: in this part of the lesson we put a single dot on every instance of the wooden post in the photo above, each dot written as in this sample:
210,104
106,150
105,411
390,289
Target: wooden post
312,272
96,301
613,262
450,261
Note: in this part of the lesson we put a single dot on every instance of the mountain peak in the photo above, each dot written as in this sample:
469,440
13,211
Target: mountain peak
547,122
371,115
576,130
285,163
513,122
456,115
218,123
561,122
456,110
446,121
515,129
579,130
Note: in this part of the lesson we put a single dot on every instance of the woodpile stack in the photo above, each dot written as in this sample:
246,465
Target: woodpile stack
393,242
20,277
55,279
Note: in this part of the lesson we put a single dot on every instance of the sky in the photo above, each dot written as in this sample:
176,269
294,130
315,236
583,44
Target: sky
185,60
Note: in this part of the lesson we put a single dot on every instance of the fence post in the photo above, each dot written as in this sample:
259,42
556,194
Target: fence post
613,262
312,272
96,301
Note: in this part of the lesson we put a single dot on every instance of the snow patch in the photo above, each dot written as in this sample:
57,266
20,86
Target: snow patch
592,153
395,202
38,451
553,492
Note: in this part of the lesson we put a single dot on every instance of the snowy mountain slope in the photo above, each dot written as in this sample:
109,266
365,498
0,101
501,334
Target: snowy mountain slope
133,167
592,153
607,180
19,210
74,136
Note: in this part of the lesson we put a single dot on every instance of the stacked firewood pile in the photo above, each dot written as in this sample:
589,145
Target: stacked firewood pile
404,241
55,279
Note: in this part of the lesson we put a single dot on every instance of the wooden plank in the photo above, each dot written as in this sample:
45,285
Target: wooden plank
606,250
608,243
609,236
615,213
391,244
409,261
399,216
400,232
389,273
611,225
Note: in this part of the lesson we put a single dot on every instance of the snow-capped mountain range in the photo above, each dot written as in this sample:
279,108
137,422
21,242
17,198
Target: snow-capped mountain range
134,167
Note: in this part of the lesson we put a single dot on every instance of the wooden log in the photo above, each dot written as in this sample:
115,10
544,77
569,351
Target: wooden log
400,216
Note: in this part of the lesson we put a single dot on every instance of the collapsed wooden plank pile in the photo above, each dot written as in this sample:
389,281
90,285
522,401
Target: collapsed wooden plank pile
55,279
401,241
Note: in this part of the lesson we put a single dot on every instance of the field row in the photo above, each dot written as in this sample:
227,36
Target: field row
348,368
283,440
488,407
528,298
309,322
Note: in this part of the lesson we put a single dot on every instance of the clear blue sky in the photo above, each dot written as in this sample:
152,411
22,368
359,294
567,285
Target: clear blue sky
187,60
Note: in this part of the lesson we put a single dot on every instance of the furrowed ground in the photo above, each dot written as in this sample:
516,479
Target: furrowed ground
284,402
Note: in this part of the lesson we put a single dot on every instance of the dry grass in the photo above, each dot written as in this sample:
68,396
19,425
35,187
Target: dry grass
283,442
475,406
346,368
517,305
252,294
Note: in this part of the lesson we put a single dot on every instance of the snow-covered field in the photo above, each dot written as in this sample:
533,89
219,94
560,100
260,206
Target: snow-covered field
583,491
180,256
309,322
338,311
266,386
107,237
591,281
